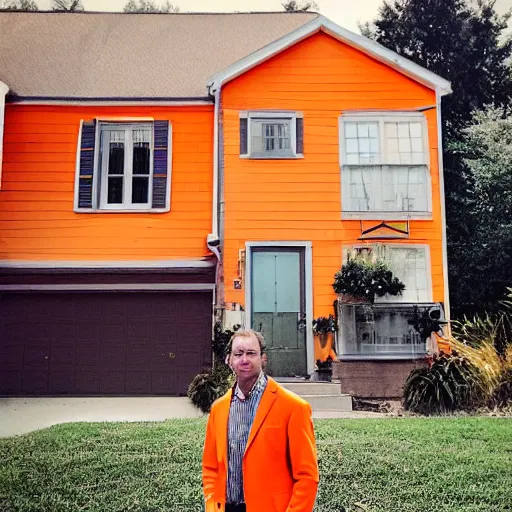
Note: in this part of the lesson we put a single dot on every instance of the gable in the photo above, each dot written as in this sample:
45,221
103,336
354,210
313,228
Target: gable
323,73
360,43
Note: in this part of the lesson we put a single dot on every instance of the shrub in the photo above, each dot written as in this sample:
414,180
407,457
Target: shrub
207,387
221,339
366,280
447,385
468,378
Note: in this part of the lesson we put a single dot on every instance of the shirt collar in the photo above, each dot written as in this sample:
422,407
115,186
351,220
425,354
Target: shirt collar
258,386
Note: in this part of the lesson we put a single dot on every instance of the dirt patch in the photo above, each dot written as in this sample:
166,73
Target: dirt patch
383,406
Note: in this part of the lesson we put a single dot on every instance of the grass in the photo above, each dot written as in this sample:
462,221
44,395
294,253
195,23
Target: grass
389,465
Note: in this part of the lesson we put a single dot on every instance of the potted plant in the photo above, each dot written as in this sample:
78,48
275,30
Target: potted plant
323,326
360,281
426,322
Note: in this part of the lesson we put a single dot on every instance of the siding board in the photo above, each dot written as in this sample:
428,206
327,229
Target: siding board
37,221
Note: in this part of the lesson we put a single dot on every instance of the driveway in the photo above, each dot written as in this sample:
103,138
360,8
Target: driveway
22,415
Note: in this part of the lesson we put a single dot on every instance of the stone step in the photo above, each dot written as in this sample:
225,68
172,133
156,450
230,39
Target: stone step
338,403
313,388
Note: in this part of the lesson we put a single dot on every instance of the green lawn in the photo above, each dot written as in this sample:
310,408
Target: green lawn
389,465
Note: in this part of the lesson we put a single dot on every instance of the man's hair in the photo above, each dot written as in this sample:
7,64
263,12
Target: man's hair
246,333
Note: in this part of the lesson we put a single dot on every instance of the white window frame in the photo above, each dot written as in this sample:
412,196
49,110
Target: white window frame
277,117
128,167
426,247
97,196
382,118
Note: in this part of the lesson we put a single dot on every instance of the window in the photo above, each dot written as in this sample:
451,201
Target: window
123,167
384,329
410,263
126,166
379,331
271,135
385,164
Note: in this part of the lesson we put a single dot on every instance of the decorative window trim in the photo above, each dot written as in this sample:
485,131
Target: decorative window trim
288,116
381,118
96,200
345,248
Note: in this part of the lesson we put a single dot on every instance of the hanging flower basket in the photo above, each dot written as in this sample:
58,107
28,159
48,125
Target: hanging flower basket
359,282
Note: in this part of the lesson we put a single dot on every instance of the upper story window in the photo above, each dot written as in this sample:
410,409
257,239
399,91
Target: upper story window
271,135
124,166
385,164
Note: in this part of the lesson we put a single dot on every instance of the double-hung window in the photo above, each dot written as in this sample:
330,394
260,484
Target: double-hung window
123,166
385,165
271,135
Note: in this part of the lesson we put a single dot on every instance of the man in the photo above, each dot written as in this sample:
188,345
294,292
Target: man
259,453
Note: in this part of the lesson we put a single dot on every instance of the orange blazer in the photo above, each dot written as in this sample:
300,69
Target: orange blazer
280,467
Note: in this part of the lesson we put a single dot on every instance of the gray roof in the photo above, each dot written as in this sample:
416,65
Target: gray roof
94,55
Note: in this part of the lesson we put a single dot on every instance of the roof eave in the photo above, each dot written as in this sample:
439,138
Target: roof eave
371,48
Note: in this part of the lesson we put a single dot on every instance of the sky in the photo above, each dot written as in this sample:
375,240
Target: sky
347,13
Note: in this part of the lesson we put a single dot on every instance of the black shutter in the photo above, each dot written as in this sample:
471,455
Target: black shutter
243,136
160,164
85,176
299,133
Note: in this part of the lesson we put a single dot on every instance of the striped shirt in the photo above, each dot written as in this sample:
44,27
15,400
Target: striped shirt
241,416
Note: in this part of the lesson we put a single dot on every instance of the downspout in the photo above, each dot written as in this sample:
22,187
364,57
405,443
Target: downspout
4,89
213,239
443,208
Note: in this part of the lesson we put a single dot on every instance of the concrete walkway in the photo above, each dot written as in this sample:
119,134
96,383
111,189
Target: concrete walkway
23,415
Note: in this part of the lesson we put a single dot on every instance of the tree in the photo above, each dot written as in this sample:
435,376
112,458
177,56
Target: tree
465,42
293,6
149,6
18,5
486,148
67,5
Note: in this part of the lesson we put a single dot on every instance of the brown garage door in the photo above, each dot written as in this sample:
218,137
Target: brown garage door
137,343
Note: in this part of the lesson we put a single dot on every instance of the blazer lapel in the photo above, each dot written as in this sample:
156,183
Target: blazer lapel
267,401
221,422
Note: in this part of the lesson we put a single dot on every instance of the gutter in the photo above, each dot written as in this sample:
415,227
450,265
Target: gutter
4,89
213,239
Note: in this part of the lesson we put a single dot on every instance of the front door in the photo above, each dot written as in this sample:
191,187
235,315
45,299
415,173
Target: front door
279,309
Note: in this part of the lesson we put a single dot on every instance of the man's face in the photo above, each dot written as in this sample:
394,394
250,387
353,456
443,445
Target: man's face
246,359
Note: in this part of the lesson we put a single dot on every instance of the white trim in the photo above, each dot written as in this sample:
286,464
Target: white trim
357,41
443,210
112,103
77,168
308,290
4,89
384,215
288,116
51,264
155,287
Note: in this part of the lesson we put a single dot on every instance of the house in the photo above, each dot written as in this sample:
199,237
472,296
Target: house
164,171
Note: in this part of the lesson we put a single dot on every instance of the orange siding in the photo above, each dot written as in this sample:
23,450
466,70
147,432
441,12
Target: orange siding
37,221
300,199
